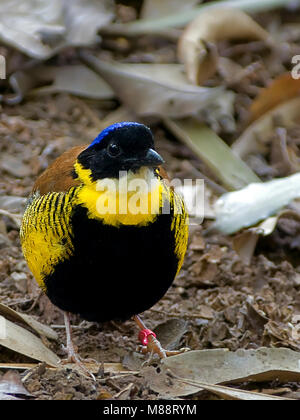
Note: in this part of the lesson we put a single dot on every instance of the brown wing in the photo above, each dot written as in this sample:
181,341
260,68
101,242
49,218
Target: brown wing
58,177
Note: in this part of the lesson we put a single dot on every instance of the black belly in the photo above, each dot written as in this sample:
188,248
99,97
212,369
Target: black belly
114,273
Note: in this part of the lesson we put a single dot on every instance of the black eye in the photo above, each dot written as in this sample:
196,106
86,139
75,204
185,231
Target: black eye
114,150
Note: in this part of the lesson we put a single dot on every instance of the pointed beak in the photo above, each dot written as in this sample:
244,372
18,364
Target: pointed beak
152,158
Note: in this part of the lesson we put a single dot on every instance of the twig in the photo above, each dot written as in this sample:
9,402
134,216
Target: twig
127,389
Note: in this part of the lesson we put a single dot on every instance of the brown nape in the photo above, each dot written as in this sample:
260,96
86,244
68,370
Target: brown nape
58,177
164,174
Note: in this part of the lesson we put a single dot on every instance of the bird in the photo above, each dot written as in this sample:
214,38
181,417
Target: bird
104,233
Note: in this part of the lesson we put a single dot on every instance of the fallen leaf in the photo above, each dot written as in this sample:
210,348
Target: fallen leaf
155,89
220,366
231,393
282,89
41,29
232,172
253,139
24,342
14,316
75,79
246,207
83,20
244,245
169,333
4,397
255,316
133,360
200,60
205,312
11,384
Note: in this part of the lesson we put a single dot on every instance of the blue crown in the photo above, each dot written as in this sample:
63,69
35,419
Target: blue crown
108,130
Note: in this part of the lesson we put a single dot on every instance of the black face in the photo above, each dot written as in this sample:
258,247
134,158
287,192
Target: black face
120,148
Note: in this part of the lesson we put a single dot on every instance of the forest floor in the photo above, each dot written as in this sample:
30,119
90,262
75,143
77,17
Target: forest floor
217,301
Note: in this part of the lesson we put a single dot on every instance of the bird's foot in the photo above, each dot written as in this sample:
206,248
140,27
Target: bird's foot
74,358
151,345
72,351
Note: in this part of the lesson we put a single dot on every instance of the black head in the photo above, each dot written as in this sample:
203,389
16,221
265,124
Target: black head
120,147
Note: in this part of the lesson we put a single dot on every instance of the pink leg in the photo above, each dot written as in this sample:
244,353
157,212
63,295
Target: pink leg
73,356
150,344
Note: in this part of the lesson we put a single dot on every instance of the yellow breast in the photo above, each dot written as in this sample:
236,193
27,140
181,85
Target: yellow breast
134,199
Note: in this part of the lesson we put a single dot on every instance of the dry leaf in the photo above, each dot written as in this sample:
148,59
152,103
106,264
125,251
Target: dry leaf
232,172
246,207
230,393
43,330
254,137
213,25
24,342
169,333
76,79
5,397
11,384
219,366
282,89
156,89
42,28
244,243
